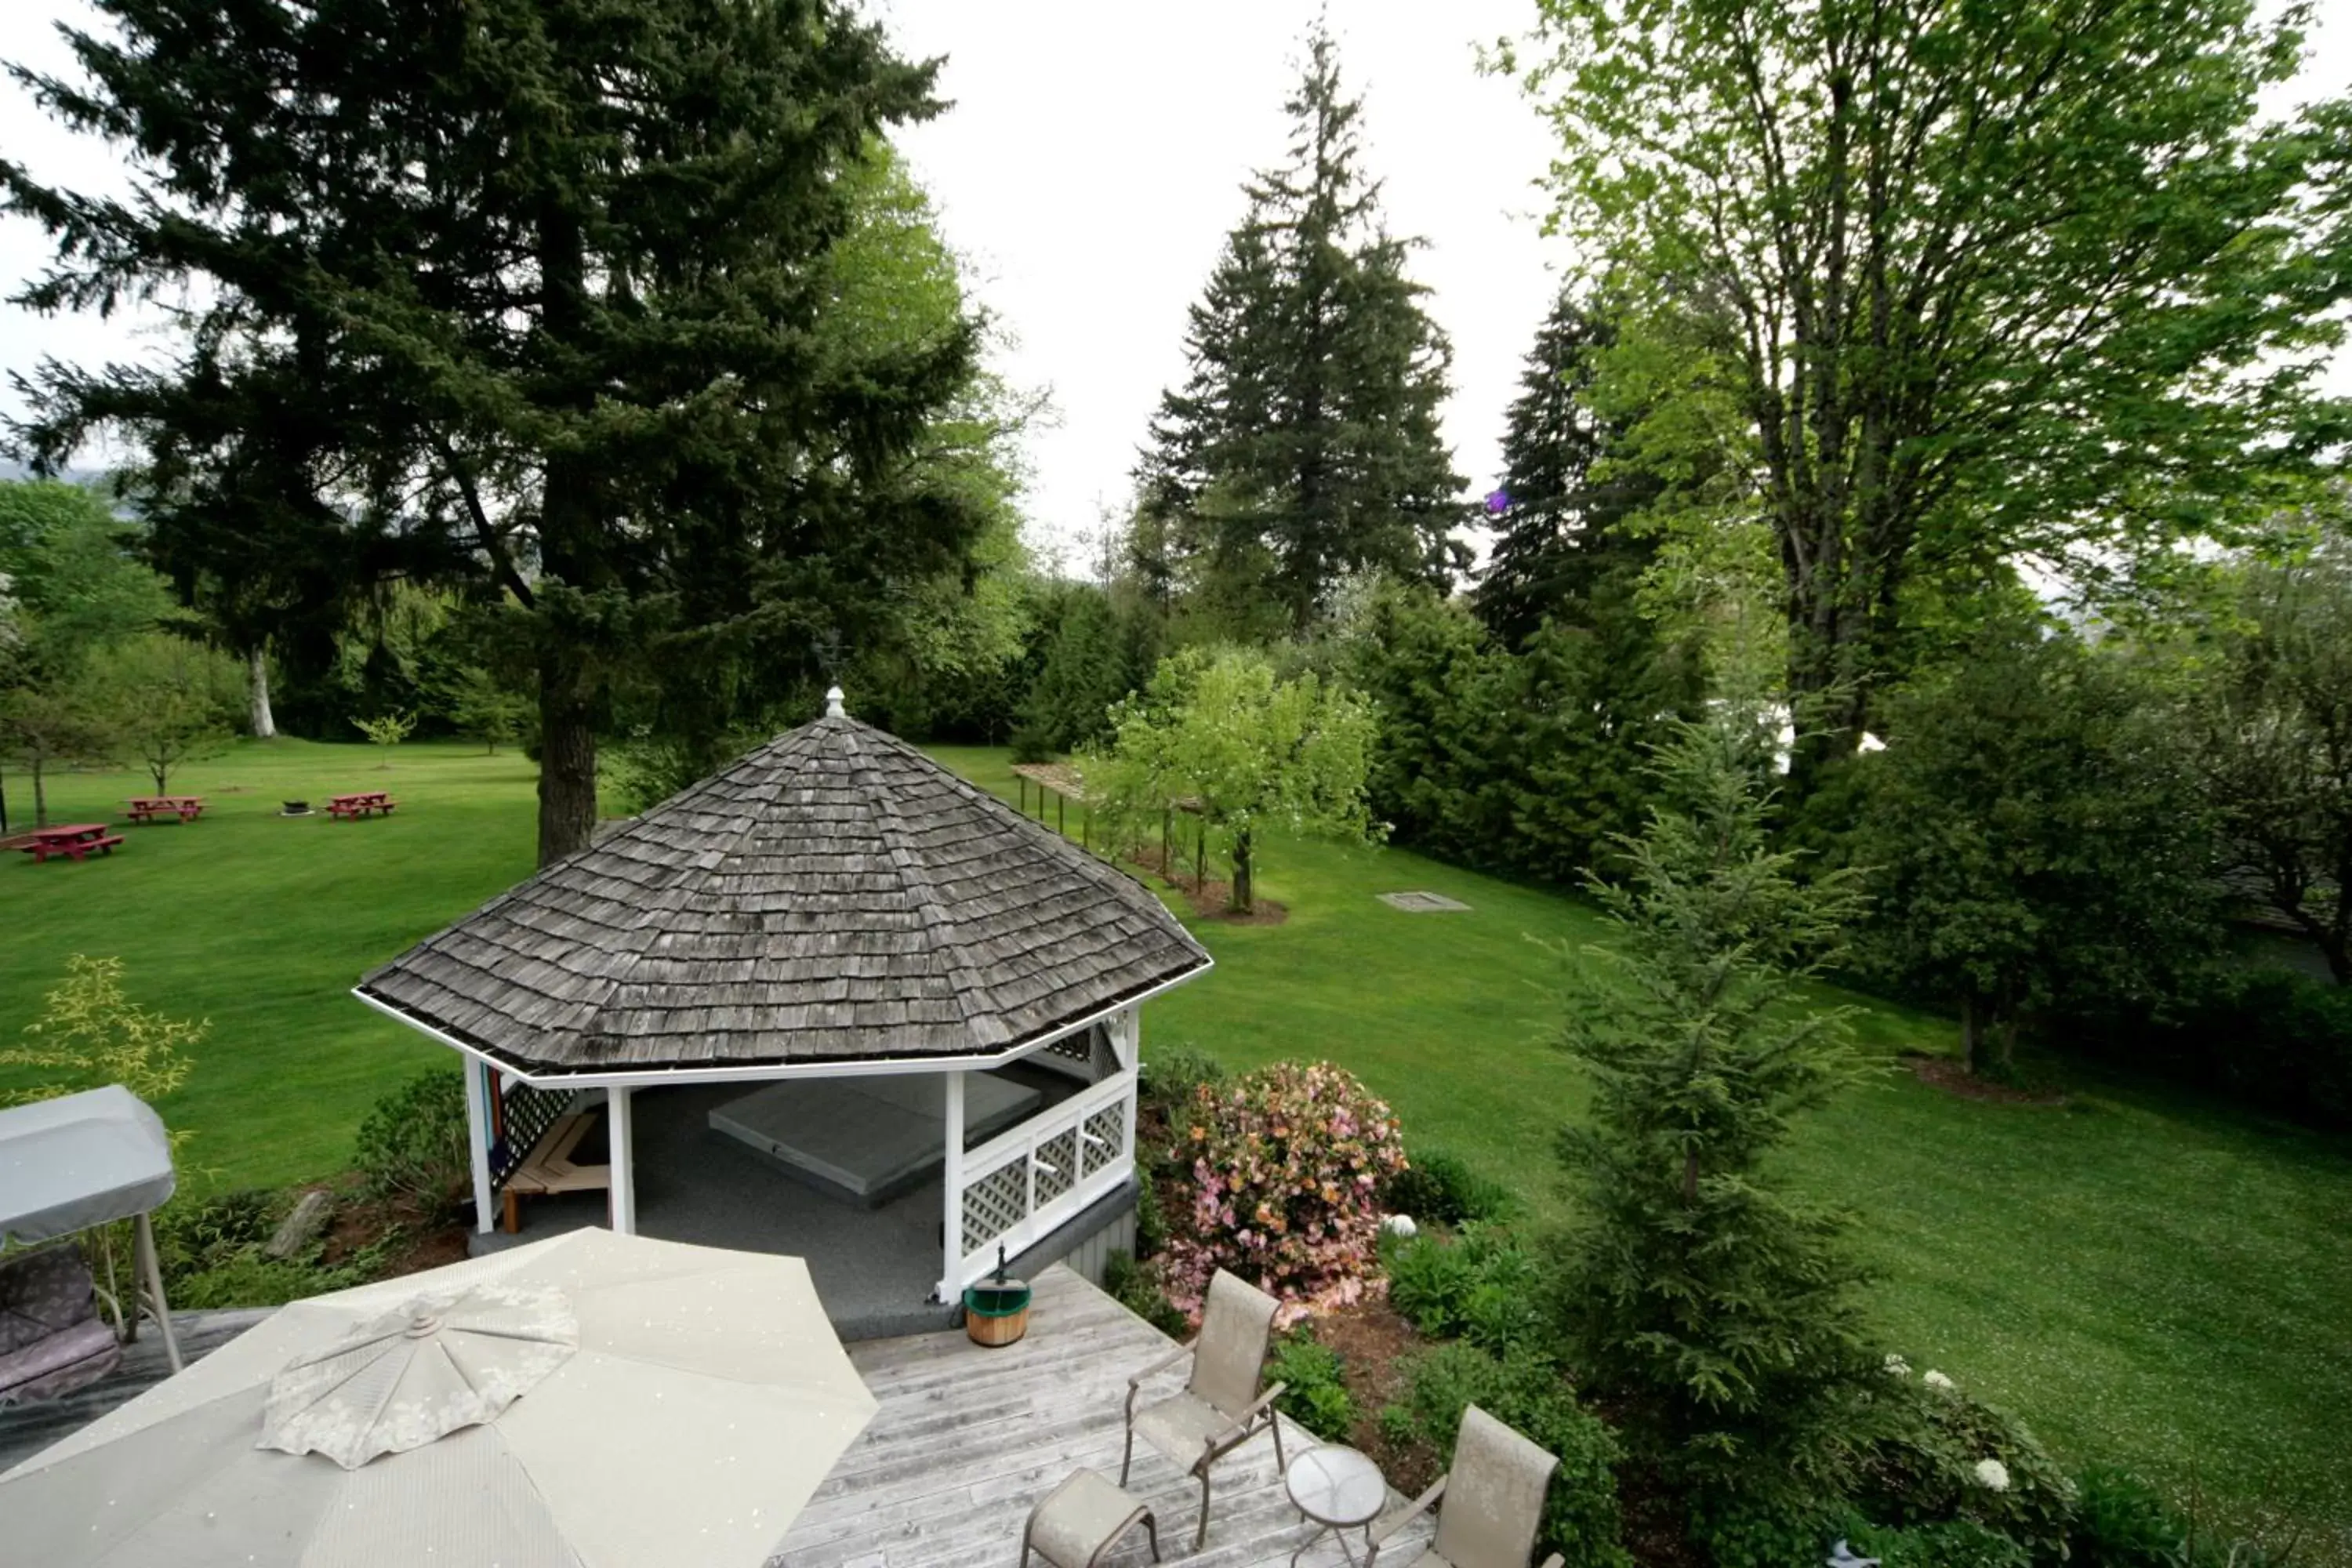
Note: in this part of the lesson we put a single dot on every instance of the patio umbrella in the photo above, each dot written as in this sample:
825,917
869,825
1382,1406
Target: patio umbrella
591,1401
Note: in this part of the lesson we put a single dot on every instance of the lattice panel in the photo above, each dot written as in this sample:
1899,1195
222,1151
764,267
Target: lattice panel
1110,1126
529,1111
1078,1047
1058,1166
996,1203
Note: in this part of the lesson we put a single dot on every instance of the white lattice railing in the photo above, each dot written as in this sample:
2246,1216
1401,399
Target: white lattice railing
1017,1187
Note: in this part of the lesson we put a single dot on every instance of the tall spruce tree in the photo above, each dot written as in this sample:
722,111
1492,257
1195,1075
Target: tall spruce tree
1716,1302
1597,682
1304,444
1560,534
549,280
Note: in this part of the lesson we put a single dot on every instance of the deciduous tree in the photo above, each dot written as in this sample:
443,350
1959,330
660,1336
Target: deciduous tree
1985,282
2268,727
1249,750
2032,838
166,700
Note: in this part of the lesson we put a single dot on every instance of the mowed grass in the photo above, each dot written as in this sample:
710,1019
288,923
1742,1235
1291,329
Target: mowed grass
262,924
2143,1277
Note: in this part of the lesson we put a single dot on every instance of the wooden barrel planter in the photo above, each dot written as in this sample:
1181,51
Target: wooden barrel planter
996,1311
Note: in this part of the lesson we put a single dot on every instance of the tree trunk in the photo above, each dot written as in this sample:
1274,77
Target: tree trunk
568,553
567,759
1972,1031
40,793
1244,880
265,726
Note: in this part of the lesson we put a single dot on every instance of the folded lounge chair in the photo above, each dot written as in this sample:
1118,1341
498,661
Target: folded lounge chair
1221,1407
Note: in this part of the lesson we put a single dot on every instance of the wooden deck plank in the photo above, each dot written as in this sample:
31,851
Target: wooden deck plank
968,1439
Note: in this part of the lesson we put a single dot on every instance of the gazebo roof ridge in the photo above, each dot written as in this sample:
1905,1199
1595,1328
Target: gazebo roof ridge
985,1027
833,896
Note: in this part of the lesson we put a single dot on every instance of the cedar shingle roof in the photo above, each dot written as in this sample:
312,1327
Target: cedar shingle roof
834,896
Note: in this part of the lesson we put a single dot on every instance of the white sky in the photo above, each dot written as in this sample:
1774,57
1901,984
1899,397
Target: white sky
1089,170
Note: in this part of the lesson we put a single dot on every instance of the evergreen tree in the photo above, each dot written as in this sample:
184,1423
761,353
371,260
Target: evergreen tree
550,282
1304,444
1560,534
1716,1304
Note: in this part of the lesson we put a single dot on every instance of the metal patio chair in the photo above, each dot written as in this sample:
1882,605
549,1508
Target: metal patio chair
1221,1407
1493,1500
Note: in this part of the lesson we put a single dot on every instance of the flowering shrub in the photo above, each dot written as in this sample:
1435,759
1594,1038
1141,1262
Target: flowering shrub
1941,1458
1287,1166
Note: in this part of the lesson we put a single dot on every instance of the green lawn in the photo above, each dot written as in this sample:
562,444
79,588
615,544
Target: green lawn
262,924
2141,1277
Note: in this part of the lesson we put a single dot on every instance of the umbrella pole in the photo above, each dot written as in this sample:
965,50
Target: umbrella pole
150,1278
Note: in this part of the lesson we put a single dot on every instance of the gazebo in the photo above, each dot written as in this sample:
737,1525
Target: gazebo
867,969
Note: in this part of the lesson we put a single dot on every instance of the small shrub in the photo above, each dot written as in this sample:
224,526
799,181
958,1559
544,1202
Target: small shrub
1440,1188
1480,1286
1582,1520
1317,1397
193,1237
1755,1533
249,1279
1287,1163
1150,1220
91,1033
1130,1284
2269,1036
1959,1543
1032,743
413,1143
2121,1521
1939,1456
1172,1079
388,731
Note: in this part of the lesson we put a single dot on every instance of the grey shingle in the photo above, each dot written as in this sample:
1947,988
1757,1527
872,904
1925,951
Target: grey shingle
834,896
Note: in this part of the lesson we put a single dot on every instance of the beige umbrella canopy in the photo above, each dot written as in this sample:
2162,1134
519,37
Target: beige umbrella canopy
591,1401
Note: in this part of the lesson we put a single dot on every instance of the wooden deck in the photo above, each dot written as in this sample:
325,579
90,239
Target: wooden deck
968,1438
965,1441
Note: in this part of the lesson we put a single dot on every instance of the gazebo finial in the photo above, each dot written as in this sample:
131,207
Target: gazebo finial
832,708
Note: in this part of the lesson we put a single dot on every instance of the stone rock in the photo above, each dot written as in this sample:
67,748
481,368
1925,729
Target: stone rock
302,1228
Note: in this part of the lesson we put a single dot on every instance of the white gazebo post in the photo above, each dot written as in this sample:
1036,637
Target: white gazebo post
1127,1044
624,1160
951,1188
478,1138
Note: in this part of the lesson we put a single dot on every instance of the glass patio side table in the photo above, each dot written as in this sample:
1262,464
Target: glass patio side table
1337,1488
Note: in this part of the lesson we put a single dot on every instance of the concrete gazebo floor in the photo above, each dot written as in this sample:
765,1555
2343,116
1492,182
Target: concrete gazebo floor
874,1267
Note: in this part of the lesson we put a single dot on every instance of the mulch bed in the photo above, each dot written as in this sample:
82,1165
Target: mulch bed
1375,1345
1208,898
359,1222
1952,1077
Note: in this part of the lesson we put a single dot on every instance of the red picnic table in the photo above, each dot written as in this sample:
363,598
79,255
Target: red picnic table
153,807
355,806
73,840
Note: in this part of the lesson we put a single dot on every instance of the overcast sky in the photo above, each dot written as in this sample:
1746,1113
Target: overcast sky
1089,169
